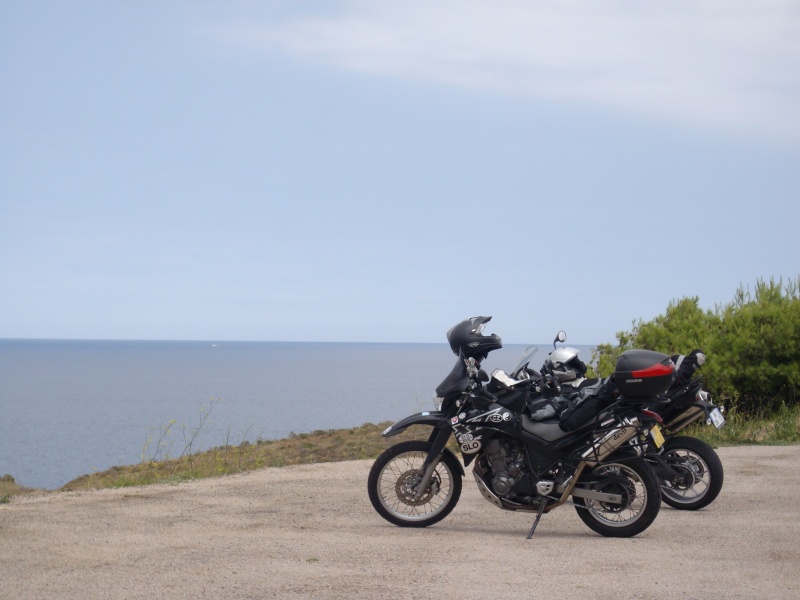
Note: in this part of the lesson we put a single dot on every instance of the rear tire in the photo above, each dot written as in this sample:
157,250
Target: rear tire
641,498
702,474
392,480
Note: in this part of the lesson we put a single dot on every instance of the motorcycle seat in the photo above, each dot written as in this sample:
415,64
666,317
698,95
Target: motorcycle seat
548,429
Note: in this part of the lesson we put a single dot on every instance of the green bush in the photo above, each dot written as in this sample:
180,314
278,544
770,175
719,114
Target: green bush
757,348
752,345
684,327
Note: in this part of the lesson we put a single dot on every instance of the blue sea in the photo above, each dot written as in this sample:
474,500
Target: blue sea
70,407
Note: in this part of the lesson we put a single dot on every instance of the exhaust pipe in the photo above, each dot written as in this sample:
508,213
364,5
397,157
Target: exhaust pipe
605,444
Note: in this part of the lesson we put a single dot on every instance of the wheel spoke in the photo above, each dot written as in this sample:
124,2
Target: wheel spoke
696,477
397,486
626,483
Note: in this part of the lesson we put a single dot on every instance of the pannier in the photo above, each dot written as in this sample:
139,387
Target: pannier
643,373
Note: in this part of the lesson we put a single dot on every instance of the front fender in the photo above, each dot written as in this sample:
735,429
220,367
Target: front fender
432,418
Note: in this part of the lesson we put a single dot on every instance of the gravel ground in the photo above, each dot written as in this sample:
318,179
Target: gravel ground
310,532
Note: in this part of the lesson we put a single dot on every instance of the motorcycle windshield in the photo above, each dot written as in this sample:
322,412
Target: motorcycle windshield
526,357
456,381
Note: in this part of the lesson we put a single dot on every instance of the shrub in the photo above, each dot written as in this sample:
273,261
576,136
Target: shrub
752,344
757,348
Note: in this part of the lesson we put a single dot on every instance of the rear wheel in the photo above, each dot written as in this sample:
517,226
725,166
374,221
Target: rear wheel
635,482
700,474
394,481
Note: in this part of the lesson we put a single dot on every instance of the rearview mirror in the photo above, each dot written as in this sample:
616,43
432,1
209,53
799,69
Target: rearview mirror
561,336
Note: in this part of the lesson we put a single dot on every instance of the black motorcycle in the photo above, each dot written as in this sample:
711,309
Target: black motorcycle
690,472
521,464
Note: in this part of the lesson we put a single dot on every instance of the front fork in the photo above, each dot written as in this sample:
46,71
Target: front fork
438,438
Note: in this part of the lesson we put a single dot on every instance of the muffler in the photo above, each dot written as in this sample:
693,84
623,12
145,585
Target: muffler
606,443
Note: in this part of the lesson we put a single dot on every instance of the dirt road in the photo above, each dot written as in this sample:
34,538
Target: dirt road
310,532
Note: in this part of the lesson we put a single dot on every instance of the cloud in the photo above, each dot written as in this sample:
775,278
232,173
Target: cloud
715,63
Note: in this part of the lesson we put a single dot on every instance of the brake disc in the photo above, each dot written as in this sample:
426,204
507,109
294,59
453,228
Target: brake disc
407,485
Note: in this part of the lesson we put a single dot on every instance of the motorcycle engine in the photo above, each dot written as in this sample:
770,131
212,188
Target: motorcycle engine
507,463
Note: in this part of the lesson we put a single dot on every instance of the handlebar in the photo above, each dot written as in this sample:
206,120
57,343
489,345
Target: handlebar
548,383
482,398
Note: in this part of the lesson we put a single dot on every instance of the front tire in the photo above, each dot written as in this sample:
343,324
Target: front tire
392,485
641,498
701,474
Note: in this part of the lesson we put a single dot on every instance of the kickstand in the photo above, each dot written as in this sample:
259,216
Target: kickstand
538,516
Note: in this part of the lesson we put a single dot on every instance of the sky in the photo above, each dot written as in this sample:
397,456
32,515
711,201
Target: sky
376,172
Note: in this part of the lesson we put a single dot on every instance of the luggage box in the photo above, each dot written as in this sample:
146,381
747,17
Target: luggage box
643,373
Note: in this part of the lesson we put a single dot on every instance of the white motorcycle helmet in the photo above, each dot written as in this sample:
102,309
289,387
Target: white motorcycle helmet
565,364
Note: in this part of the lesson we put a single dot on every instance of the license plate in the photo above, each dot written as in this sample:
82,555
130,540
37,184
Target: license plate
658,439
716,418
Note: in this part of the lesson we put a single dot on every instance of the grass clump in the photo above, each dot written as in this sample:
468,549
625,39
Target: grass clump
9,488
331,445
782,427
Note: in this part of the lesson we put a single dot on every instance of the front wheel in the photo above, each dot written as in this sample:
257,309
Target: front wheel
394,480
641,498
700,474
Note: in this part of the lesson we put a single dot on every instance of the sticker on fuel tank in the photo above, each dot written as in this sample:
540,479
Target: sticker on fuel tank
471,447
